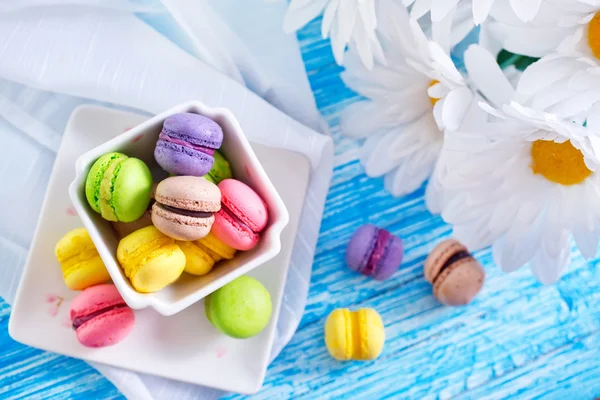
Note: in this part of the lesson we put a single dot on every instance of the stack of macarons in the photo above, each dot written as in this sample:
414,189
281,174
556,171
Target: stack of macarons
98,314
190,221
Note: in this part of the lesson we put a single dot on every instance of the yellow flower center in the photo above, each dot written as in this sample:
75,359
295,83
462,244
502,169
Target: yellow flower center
433,99
594,35
558,162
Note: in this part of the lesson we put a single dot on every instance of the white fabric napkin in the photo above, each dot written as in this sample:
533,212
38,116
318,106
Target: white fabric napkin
56,58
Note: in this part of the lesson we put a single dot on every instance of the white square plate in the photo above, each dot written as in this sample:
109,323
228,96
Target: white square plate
185,346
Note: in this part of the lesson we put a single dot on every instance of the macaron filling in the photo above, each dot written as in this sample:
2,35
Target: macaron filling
378,252
237,220
203,149
456,257
187,213
107,187
78,321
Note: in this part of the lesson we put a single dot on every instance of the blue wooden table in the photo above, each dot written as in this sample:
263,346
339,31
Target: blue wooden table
517,340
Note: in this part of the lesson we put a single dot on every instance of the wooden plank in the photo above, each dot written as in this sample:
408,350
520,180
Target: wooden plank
569,372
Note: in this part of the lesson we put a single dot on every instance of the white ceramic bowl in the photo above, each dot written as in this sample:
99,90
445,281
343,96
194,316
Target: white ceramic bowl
140,142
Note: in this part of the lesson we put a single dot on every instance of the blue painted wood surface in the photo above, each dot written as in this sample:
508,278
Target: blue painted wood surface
517,340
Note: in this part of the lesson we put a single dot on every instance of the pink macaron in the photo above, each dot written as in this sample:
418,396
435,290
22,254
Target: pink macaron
242,217
185,207
101,317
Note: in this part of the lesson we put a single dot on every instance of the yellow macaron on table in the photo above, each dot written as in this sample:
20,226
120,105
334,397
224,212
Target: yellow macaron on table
179,346
354,335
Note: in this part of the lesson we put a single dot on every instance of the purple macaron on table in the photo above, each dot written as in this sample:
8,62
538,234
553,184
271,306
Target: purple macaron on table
374,252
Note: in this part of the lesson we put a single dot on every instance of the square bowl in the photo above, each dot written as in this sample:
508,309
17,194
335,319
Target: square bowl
140,142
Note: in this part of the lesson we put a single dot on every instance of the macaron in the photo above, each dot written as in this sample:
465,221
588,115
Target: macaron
374,252
187,143
185,207
242,217
80,262
240,309
100,316
119,187
125,228
220,170
456,276
354,335
151,260
201,255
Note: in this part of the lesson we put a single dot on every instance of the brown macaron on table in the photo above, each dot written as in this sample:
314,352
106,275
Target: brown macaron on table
456,276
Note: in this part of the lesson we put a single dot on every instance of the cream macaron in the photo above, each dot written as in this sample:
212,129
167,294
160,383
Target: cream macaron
185,206
456,276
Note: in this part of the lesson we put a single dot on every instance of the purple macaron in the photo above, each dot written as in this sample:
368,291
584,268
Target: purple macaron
374,252
187,143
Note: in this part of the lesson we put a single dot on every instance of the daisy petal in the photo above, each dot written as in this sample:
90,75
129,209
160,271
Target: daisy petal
481,10
354,123
587,241
362,42
374,156
366,118
410,174
434,193
526,10
525,40
552,259
338,45
441,30
328,17
346,17
440,9
420,8
301,12
440,57
593,119
461,27
511,254
487,76
437,91
455,106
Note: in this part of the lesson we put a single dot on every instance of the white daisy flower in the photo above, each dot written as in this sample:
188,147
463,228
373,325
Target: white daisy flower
527,181
347,22
408,103
566,26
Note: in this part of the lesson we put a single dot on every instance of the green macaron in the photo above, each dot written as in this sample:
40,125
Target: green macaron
220,169
119,187
240,309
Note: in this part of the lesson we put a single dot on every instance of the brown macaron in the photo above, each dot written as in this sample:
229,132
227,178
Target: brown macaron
185,206
456,276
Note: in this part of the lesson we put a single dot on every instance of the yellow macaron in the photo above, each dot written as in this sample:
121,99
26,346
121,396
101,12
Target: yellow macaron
150,259
354,335
201,255
80,262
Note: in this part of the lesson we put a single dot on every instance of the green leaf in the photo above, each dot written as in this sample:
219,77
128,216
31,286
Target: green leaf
506,59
